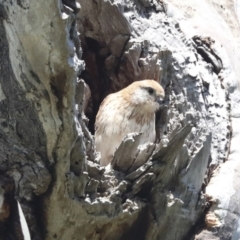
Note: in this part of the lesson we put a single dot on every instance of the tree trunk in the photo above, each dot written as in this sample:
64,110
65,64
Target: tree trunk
184,186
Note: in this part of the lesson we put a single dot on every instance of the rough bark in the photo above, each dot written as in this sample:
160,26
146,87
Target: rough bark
185,186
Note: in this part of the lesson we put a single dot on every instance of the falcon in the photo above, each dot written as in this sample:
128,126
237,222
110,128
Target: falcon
130,110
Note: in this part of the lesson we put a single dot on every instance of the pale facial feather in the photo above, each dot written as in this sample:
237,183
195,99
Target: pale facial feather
137,93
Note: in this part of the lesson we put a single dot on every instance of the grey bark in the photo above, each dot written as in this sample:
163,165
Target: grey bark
168,190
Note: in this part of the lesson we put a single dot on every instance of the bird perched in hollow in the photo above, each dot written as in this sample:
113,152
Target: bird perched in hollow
130,110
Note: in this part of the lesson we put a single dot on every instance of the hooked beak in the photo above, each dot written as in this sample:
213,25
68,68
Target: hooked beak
160,101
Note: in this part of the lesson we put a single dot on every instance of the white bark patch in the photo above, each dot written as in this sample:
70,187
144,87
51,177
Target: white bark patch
23,223
2,95
222,186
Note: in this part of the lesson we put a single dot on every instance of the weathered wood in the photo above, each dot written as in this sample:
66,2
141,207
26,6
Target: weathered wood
48,161
125,155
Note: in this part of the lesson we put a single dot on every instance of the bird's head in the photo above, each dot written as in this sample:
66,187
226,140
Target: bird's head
148,94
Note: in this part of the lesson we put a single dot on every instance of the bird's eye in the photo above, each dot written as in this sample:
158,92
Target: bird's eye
150,91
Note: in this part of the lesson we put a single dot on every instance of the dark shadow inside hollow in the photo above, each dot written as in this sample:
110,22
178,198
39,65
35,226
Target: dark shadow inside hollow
95,75
139,228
